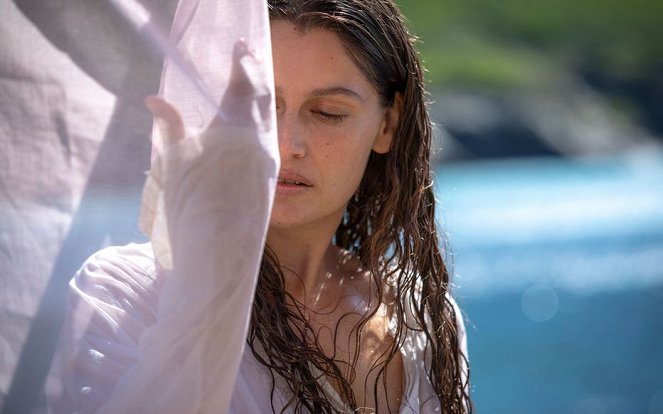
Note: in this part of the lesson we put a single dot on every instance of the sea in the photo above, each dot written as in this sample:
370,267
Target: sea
558,266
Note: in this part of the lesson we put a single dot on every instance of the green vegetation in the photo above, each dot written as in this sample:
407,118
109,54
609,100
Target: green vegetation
514,43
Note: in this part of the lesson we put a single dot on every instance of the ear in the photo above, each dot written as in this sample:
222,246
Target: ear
385,136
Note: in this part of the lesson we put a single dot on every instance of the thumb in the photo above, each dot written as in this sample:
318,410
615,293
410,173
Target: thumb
167,118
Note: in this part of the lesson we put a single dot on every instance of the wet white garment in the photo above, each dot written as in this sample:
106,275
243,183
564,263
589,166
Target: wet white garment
113,300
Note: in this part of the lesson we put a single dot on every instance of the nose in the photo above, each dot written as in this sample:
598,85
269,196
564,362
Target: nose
291,136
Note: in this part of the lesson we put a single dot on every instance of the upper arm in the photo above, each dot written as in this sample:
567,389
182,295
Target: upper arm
112,298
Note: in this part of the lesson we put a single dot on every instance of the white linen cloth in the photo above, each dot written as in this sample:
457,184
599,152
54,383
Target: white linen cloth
74,134
206,207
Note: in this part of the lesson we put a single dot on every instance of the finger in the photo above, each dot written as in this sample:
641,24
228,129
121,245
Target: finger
261,97
251,72
247,88
167,118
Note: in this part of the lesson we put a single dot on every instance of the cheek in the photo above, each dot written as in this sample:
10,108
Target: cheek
346,162
344,152
352,143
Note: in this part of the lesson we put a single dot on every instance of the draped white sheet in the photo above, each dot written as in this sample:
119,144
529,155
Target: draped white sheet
206,206
73,149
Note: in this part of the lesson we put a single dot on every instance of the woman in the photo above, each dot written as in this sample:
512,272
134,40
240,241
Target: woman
352,311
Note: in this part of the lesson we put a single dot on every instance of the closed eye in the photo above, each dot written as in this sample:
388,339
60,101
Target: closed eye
328,116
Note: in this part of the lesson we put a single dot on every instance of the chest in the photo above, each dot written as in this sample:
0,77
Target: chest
366,357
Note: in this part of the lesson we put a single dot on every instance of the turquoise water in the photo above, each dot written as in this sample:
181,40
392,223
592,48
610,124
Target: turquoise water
600,353
559,267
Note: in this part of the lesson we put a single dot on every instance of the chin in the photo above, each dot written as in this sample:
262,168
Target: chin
298,216
284,220
287,214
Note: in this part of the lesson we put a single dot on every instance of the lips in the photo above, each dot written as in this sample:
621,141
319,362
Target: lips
291,182
289,178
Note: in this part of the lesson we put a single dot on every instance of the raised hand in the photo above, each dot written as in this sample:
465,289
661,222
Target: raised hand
206,207
187,176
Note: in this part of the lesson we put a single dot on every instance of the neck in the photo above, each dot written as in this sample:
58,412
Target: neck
307,258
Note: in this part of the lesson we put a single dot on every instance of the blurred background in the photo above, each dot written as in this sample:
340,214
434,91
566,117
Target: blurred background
549,177
548,164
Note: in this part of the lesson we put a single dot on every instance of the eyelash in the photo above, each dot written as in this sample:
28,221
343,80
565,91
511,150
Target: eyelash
329,116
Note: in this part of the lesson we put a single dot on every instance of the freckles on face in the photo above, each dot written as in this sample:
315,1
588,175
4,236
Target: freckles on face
329,116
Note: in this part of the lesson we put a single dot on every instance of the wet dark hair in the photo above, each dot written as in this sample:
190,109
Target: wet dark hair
389,225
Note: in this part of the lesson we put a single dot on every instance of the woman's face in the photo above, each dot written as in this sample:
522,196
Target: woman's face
329,119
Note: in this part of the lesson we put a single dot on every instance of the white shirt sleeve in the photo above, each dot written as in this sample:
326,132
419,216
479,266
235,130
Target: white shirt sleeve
112,298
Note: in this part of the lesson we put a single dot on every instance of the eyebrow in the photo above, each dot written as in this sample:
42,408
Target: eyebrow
334,90
337,90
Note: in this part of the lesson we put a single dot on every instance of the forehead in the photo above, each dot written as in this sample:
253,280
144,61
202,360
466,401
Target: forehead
313,57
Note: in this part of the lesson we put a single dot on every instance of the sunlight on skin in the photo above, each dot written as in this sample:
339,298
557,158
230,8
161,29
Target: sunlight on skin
330,119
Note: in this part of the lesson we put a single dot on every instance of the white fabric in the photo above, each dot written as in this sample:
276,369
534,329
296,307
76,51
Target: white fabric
207,55
113,300
206,207
73,135
74,141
